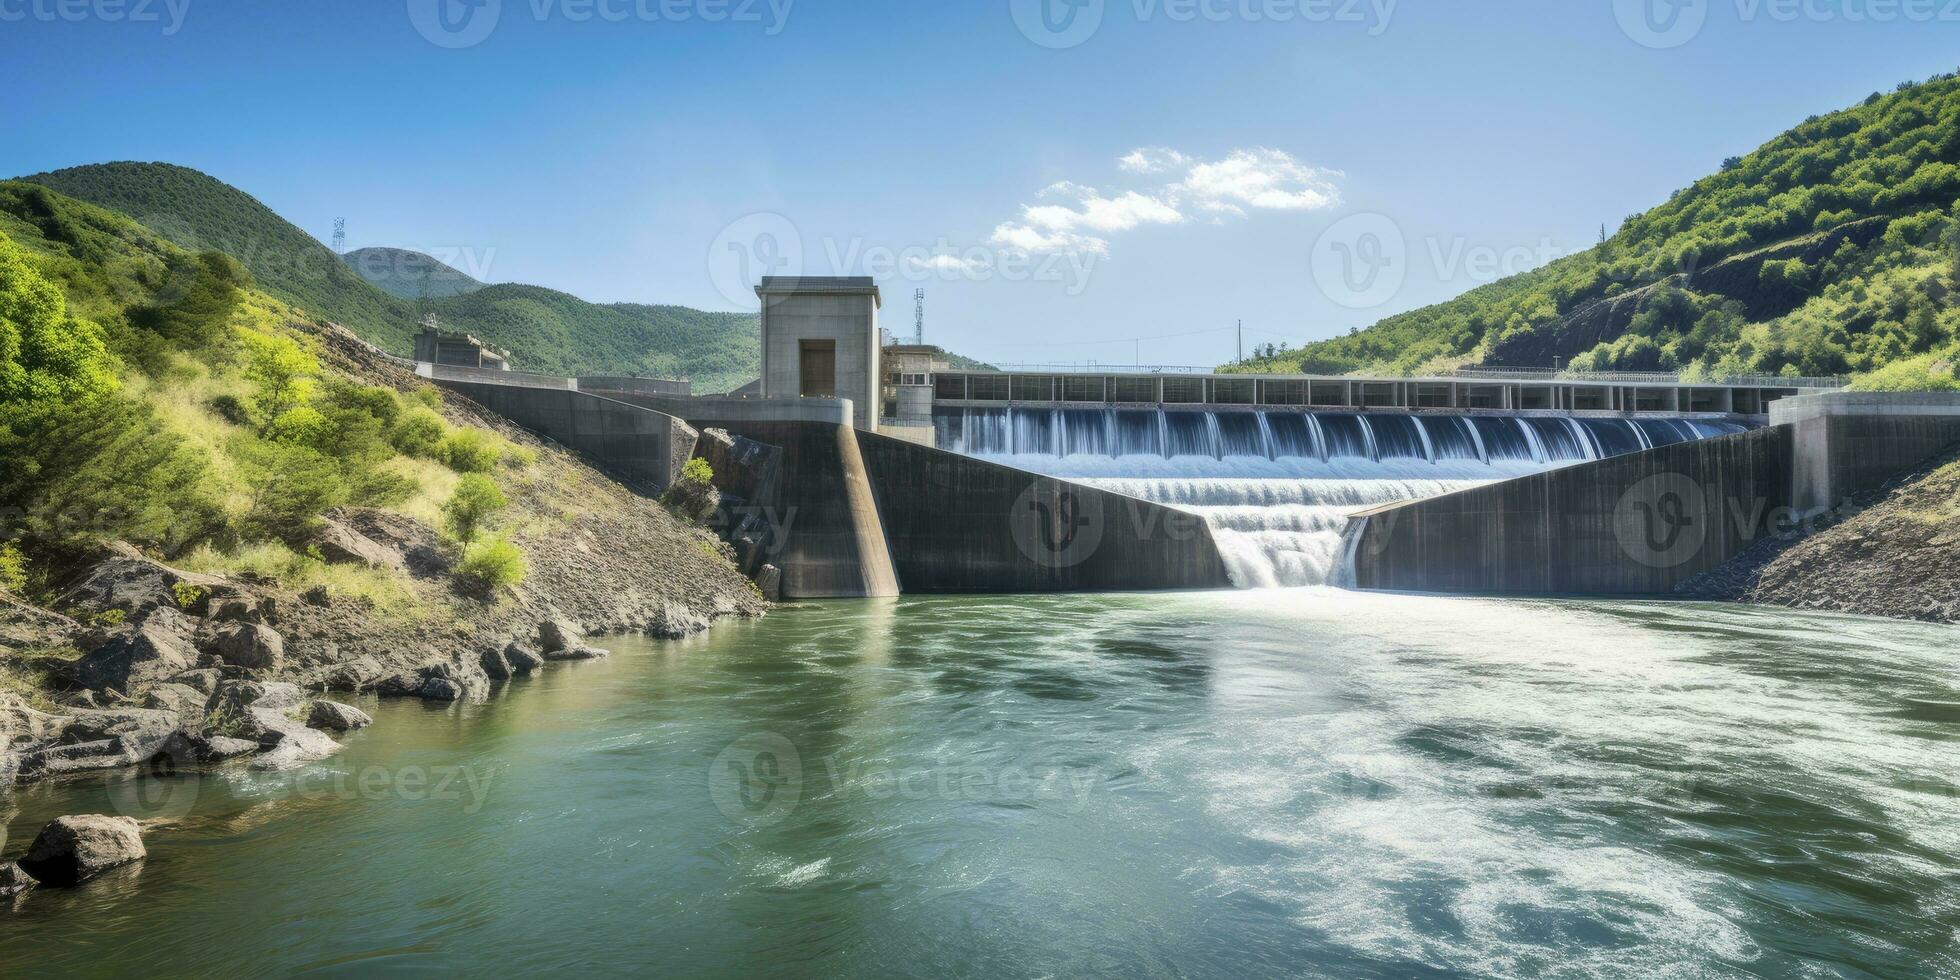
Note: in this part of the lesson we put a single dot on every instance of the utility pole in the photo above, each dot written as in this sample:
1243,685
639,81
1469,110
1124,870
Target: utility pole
1241,341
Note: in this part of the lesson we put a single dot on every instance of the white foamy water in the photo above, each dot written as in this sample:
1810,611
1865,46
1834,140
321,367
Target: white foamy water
1278,523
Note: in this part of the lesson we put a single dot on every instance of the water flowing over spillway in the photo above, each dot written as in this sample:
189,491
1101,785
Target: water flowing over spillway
1277,486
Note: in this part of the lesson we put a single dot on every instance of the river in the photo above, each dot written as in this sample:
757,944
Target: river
1299,782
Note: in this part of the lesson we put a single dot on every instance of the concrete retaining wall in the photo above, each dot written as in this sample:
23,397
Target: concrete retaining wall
827,537
1630,525
957,524
642,448
1854,442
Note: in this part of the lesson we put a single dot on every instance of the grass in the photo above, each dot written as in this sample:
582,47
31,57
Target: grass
388,591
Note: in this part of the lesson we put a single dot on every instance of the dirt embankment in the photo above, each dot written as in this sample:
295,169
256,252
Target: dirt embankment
1895,553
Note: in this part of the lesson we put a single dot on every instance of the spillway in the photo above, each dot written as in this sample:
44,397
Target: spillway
1277,486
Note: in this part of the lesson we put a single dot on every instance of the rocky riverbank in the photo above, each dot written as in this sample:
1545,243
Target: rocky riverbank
135,661
1893,553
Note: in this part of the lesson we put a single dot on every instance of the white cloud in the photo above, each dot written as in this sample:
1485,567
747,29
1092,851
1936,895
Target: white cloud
1262,178
1152,160
1257,179
944,262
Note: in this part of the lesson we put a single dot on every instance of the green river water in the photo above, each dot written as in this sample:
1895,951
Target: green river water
1300,783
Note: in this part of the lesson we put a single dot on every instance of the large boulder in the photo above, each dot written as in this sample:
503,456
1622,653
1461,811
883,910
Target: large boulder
18,722
676,621
358,674
580,652
496,666
252,646
73,849
232,698
336,717
339,543
126,580
70,757
455,680
136,733
155,649
559,633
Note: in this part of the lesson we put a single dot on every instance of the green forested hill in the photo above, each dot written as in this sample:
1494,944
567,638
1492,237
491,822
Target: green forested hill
565,334
545,330
407,274
1829,250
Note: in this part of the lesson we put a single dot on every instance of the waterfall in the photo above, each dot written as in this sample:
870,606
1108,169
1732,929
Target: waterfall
1277,487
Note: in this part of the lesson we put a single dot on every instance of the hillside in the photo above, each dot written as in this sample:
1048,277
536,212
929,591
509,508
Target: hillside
1829,250
563,334
407,274
545,330
204,478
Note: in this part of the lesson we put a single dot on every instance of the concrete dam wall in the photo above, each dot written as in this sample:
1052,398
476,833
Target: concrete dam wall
958,524
642,448
1630,525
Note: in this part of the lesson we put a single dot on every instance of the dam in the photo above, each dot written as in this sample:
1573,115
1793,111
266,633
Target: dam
856,467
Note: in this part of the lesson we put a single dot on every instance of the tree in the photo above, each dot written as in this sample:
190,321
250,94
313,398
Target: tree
282,371
471,507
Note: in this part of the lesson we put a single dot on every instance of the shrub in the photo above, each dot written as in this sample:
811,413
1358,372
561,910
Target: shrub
110,618
13,569
470,451
190,597
380,488
290,487
491,565
282,371
470,508
229,408
693,495
419,434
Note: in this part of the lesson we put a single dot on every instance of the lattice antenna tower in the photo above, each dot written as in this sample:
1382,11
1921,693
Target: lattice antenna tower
340,236
919,316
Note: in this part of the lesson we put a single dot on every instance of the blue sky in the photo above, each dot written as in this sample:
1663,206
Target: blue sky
668,149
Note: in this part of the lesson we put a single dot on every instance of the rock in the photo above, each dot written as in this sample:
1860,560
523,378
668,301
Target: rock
496,666
578,653
285,742
73,849
317,596
769,581
676,622
336,717
203,681
146,655
184,748
70,757
558,633
341,544
14,882
440,689
234,697
18,721
358,674
138,733
128,581
523,659
249,645
469,680
178,699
